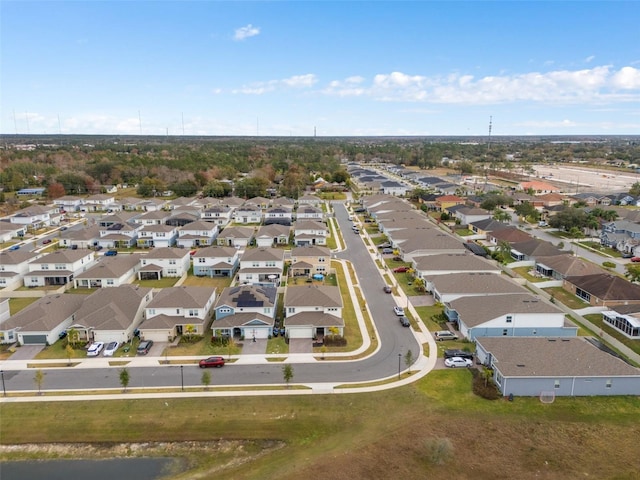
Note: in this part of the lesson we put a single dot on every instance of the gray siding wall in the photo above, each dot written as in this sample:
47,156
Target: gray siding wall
523,332
571,386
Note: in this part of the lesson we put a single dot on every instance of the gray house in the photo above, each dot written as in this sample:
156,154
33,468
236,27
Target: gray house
555,367
247,311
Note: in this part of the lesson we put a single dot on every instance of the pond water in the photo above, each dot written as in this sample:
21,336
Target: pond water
109,469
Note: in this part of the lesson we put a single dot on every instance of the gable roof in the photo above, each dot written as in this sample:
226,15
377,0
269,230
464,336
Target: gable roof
111,267
183,297
45,314
216,252
535,247
568,265
166,252
262,254
454,261
475,283
248,296
312,295
606,286
111,308
310,251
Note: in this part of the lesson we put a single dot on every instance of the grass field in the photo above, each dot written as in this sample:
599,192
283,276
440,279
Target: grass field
435,429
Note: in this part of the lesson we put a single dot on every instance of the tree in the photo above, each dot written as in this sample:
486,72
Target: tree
73,336
501,216
39,378
55,190
504,250
184,189
287,373
408,359
69,351
633,272
635,189
217,189
150,187
124,378
189,330
206,379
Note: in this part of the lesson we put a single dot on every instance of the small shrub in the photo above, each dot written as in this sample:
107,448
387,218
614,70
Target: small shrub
220,341
608,265
190,339
482,388
438,450
335,341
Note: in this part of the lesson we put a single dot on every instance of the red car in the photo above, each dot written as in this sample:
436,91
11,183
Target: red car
635,259
401,269
212,362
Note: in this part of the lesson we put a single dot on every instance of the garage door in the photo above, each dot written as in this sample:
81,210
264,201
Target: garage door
300,332
34,339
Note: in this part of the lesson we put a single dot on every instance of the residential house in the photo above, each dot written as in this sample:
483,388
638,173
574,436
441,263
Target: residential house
309,212
10,230
109,272
42,322
310,232
261,266
219,215
111,314
622,235
445,201
98,203
157,236
82,238
247,214
531,249
197,234
216,261
261,202
68,203
391,187
119,235
411,243
625,319
14,265
554,367
482,228
154,217
273,235
446,288
509,234
106,221
603,289
279,215
238,237
313,311
58,267
467,215
559,267
537,187
245,312
178,311
519,315
309,260
309,199
34,217
164,262
445,263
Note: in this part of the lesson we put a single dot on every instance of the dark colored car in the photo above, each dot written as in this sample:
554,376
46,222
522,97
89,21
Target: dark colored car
458,353
275,331
212,362
46,241
144,347
404,321
110,253
13,248
401,269
387,289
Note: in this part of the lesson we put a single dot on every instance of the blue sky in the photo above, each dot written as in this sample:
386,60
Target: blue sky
343,68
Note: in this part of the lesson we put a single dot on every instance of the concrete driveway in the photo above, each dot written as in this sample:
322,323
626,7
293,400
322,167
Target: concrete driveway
300,345
27,352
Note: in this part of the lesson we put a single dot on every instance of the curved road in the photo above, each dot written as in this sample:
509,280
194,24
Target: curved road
385,362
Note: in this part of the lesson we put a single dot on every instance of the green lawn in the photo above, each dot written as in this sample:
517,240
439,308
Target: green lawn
566,298
597,320
164,282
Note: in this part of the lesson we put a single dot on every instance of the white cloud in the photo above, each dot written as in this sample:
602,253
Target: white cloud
589,59
300,80
296,81
246,32
627,78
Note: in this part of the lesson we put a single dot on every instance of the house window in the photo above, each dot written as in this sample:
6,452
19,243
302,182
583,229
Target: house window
60,267
224,310
509,318
505,332
608,384
556,384
177,311
193,313
202,260
172,271
152,311
255,264
291,310
271,264
110,281
321,259
172,262
45,266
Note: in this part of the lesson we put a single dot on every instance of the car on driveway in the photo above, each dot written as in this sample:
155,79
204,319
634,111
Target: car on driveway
384,245
445,335
404,321
387,289
458,353
400,269
399,311
457,362
95,349
212,362
144,347
110,253
110,349
387,251
633,259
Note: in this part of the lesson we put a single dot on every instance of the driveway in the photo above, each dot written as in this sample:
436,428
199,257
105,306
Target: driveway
300,345
249,347
27,352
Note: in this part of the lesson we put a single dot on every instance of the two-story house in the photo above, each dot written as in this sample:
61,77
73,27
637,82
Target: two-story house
14,265
280,215
32,217
245,312
178,311
119,235
247,214
97,203
310,232
197,234
157,236
309,260
312,311
58,267
309,212
261,266
219,215
216,261
164,262
109,272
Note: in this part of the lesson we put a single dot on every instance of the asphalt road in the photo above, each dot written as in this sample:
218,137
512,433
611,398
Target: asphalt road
385,362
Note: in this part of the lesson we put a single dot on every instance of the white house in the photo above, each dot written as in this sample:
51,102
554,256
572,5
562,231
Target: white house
215,261
80,238
281,215
247,214
68,203
309,212
164,262
119,235
235,237
157,236
261,266
14,265
97,203
58,267
34,217
153,217
218,214
312,311
272,235
309,199
309,232
109,272
246,311
178,311
197,234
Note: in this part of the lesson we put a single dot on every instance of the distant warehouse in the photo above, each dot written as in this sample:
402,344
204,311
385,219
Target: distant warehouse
27,192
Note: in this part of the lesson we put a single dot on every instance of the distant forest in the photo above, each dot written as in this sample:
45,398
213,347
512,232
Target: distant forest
71,165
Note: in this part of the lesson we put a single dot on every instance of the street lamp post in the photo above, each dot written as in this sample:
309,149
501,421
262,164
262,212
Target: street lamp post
399,359
4,389
182,377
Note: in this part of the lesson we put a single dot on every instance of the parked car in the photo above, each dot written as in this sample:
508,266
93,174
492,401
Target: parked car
387,289
63,228
355,230
400,269
110,253
445,335
399,311
212,362
110,349
633,259
458,353
387,251
404,321
457,362
95,349
144,347
275,331
14,247
46,241
384,245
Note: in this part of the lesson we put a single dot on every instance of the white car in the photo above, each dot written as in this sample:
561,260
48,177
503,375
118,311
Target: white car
457,362
399,311
95,349
110,349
